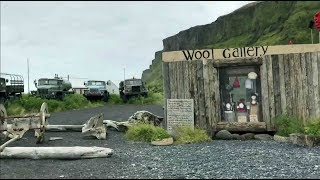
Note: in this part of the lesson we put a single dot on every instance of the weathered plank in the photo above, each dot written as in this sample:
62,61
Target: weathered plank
242,127
310,98
282,84
305,112
265,93
287,83
296,83
196,94
292,84
299,87
171,79
206,89
201,100
186,80
212,95
270,91
276,84
315,85
319,76
216,88
166,90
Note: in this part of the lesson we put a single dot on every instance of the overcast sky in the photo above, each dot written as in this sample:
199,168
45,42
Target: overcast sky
95,40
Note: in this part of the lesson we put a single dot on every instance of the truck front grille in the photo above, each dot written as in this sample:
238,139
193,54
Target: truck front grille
135,88
43,91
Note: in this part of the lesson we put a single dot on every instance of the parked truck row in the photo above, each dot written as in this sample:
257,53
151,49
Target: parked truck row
12,86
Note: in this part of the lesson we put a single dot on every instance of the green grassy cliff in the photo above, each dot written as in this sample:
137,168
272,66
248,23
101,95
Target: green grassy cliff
258,23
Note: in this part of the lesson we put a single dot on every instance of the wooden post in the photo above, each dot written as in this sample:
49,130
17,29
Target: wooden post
265,94
166,89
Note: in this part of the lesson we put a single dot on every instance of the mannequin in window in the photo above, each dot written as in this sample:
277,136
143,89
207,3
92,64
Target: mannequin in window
250,85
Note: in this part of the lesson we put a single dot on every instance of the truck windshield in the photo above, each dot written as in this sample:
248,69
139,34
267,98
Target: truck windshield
133,82
48,82
96,83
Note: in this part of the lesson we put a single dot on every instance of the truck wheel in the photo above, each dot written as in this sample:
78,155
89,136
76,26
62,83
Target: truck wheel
60,96
125,98
2,100
105,98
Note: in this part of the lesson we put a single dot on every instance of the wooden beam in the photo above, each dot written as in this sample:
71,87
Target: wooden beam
237,62
235,53
166,89
242,126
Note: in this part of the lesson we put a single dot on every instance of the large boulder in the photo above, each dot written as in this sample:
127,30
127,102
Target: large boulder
263,137
224,135
304,140
312,140
236,137
247,136
145,117
281,139
298,139
163,142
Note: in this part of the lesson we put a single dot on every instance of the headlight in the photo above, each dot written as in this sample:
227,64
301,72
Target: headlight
52,93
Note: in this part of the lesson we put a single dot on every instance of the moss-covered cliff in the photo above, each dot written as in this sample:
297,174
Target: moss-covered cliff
260,23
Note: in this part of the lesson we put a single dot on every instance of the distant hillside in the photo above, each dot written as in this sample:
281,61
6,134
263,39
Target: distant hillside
258,23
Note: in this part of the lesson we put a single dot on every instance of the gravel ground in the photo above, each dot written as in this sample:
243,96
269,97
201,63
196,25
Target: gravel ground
216,159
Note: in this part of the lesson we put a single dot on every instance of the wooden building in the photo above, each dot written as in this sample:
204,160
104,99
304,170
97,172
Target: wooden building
284,79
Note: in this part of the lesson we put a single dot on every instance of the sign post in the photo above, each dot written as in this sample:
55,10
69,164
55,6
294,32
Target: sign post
180,112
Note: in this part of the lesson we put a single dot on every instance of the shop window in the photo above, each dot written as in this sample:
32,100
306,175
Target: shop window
240,92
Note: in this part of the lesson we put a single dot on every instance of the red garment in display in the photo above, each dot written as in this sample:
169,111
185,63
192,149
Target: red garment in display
236,83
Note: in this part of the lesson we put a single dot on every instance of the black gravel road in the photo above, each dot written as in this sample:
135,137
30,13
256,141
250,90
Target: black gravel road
216,159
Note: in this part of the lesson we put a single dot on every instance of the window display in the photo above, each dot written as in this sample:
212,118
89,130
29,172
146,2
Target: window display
240,89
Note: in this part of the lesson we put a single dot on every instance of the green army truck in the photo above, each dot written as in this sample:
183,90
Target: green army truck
11,86
132,88
52,88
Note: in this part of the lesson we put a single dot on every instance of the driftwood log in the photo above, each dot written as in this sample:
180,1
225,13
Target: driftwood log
75,152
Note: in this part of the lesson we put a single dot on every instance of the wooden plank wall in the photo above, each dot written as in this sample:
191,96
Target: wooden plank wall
196,80
290,83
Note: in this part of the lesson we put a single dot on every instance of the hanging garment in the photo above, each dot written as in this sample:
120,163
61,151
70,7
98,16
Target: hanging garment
236,83
249,84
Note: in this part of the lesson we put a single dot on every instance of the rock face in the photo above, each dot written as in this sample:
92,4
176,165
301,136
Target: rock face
263,137
224,135
163,142
243,27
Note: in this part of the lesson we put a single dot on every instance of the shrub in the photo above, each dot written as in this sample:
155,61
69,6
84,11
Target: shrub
186,135
313,127
115,99
152,98
31,104
146,132
286,125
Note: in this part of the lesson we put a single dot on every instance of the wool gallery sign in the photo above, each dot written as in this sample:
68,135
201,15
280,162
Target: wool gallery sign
232,53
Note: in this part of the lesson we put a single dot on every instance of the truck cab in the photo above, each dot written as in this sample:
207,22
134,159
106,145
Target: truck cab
52,88
132,87
96,90
11,86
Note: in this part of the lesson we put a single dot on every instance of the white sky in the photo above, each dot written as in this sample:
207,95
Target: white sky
95,40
